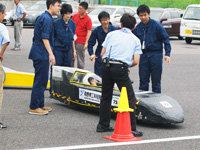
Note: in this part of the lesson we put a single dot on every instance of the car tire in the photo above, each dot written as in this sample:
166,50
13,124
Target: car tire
188,40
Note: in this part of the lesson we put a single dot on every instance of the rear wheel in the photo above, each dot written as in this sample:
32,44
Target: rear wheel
188,40
180,38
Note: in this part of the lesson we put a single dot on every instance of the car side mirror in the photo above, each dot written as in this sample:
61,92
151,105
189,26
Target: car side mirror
163,19
117,15
181,15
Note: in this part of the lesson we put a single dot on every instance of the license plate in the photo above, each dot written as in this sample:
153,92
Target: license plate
188,31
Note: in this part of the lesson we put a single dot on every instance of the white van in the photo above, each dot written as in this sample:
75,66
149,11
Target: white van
190,23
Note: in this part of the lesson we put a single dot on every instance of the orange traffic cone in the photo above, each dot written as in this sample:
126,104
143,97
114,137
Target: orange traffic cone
122,132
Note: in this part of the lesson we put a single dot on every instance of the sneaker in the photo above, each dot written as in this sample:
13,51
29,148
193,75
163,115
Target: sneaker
38,111
16,49
101,128
136,133
49,109
2,126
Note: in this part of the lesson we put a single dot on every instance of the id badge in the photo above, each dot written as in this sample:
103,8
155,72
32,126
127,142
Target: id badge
143,45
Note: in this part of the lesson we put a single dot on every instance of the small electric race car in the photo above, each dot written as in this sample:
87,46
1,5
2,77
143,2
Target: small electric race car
74,86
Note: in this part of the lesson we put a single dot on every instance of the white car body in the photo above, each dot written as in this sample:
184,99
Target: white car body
190,23
115,14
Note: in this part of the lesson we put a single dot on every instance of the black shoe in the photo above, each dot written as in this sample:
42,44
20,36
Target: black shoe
101,128
2,126
136,133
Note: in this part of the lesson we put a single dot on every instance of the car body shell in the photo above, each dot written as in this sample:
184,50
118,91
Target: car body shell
71,86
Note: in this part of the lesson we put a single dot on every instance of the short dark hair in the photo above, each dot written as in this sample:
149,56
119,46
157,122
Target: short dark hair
103,14
128,21
142,9
2,8
65,9
84,5
49,2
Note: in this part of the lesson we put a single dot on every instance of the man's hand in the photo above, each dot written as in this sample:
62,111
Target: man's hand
167,59
74,55
85,46
1,57
92,58
52,59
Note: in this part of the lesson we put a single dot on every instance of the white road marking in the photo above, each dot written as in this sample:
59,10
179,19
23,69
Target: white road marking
120,143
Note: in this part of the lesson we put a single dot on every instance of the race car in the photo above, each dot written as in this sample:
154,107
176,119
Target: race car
80,87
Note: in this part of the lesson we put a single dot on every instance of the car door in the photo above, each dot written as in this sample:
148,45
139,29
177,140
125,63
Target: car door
176,20
167,23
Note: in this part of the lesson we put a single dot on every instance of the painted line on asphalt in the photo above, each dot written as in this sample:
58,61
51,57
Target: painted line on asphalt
120,143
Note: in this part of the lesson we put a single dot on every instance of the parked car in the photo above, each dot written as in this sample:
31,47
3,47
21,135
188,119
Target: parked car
115,14
170,19
190,24
6,19
35,10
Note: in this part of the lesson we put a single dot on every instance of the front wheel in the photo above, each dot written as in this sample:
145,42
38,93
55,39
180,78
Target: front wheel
188,40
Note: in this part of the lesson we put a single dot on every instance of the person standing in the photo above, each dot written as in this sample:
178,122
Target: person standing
117,56
4,42
18,24
99,35
83,32
41,54
152,36
64,31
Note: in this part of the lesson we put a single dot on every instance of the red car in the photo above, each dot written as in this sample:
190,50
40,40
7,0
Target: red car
170,19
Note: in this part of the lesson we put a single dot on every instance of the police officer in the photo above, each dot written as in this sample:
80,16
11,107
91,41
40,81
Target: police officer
121,49
152,36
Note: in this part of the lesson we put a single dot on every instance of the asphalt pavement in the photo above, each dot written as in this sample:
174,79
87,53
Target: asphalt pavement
75,128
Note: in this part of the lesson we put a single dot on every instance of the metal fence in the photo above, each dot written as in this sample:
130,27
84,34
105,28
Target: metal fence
148,3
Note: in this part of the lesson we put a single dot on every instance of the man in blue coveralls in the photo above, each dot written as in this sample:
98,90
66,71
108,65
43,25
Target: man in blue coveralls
152,35
64,31
99,35
41,54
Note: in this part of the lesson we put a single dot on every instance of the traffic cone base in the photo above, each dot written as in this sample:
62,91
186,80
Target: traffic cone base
122,138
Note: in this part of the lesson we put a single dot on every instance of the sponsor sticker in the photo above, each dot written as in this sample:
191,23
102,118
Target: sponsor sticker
166,104
95,97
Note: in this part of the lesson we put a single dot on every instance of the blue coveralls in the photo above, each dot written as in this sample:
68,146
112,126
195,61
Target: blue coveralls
38,53
63,40
98,35
151,60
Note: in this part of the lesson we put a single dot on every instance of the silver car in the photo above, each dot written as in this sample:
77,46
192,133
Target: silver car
35,10
115,14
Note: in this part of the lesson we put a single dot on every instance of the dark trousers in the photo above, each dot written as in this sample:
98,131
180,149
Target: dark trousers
115,74
97,67
150,66
40,83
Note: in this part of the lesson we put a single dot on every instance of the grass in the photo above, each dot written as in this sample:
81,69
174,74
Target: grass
182,4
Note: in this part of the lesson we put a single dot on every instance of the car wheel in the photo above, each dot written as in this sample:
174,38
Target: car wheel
188,40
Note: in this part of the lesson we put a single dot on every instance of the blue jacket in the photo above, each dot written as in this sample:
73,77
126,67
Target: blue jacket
64,34
43,30
155,36
98,35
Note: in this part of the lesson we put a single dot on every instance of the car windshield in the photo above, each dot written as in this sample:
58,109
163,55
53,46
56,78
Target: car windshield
37,7
155,14
192,13
96,11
